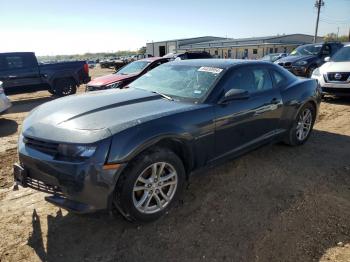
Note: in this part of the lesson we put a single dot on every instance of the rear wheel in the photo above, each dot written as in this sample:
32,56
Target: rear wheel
65,87
302,126
152,183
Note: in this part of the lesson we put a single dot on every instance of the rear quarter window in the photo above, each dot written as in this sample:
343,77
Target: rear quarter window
278,78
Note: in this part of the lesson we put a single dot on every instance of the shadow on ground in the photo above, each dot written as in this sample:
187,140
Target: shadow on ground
337,100
277,203
26,105
7,127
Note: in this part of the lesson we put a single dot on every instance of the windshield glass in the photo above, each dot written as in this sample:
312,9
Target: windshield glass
133,68
343,55
179,81
306,50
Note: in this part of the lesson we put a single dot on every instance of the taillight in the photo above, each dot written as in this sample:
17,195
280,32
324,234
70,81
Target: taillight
86,68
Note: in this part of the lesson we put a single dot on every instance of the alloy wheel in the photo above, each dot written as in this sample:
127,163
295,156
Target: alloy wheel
155,187
304,124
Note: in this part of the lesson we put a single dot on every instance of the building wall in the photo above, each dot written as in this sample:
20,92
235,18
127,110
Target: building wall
153,48
239,52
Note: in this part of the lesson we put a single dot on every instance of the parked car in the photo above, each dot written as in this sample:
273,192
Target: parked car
107,63
134,148
334,75
4,101
188,55
120,63
20,73
303,60
125,75
91,64
273,57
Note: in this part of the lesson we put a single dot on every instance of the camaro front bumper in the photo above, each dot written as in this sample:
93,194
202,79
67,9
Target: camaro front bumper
81,187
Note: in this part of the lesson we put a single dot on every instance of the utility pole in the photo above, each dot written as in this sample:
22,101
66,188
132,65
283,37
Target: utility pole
338,34
318,5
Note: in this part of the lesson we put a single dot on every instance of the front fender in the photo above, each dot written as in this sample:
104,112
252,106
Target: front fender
131,142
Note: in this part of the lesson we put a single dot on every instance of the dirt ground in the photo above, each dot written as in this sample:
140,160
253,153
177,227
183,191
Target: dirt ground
277,203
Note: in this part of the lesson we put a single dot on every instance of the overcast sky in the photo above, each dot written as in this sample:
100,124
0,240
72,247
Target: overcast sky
51,27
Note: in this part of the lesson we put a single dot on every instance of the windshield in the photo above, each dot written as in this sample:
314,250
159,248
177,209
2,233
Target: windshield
307,50
179,81
343,55
133,68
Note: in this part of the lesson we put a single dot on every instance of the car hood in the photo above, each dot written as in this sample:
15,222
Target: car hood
336,67
294,59
109,79
91,117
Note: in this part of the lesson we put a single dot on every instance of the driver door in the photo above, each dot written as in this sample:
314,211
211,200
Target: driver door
242,124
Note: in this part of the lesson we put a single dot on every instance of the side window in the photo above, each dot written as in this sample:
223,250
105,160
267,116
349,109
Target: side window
326,50
14,62
335,48
2,63
252,80
262,79
278,78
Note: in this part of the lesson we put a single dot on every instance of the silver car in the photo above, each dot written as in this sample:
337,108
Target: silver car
4,101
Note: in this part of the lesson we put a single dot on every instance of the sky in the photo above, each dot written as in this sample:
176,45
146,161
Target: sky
51,27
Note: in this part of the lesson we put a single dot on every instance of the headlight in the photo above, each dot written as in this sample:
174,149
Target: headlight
76,151
301,63
316,72
114,85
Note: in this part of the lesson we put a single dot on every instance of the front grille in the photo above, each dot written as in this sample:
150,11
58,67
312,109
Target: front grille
339,77
286,64
42,146
41,186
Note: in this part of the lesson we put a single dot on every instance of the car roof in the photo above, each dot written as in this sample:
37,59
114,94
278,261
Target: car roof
220,63
152,59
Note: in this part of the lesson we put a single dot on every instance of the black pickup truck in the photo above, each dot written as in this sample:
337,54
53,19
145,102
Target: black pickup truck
21,73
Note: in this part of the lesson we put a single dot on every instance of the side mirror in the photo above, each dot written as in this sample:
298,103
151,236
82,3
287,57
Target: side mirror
327,59
234,94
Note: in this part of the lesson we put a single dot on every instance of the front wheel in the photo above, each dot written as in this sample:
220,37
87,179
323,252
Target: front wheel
151,184
302,126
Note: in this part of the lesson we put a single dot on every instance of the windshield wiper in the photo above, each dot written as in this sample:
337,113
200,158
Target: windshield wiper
165,96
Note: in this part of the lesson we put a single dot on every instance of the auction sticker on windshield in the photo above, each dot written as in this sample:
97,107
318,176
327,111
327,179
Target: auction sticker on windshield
213,70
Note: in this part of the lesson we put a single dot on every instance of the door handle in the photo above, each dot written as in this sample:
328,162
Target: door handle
275,101
11,77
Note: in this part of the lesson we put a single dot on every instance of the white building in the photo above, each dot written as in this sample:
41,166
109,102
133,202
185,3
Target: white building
252,48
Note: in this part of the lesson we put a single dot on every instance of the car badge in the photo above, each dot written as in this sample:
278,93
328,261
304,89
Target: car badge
337,76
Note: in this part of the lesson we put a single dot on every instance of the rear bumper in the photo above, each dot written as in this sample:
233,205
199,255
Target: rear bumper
81,187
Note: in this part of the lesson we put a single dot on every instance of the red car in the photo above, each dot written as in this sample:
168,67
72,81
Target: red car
126,74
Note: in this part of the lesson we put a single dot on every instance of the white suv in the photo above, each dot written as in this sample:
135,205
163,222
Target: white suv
4,101
334,76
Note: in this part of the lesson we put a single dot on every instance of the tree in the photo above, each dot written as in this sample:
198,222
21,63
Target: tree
142,50
333,37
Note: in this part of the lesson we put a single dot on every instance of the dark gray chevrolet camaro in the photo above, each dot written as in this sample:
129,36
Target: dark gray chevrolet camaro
133,149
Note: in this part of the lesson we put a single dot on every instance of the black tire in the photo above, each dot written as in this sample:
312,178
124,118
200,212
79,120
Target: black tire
292,136
124,194
52,91
310,70
65,87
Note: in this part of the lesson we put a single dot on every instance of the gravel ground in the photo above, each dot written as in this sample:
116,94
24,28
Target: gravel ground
277,203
